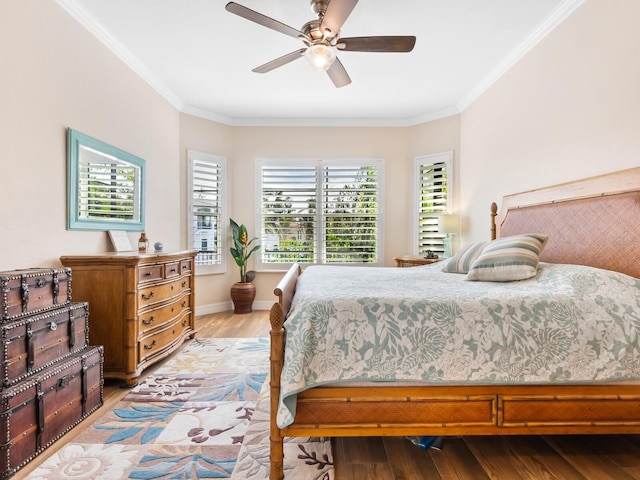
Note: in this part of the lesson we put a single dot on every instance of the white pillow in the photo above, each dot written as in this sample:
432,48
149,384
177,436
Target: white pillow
462,261
509,258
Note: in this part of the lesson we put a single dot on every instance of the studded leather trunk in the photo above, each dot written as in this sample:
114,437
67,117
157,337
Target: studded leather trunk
25,292
36,412
35,342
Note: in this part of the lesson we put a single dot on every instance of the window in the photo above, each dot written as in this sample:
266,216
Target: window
319,211
206,210
434,198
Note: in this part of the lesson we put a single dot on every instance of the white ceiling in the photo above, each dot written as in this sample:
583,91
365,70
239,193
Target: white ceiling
199,56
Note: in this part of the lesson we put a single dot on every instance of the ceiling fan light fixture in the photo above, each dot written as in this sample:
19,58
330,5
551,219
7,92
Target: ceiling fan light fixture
320,56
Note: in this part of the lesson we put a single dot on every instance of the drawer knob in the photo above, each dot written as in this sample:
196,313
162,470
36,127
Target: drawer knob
148,297
174,269
150,321
149,347
149,273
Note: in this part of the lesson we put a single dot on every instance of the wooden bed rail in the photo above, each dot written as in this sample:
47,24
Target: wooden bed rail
287,287
277,316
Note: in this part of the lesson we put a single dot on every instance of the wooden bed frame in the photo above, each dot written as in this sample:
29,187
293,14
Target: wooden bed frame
595,221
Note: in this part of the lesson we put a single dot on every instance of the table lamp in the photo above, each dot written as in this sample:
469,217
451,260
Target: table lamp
448,224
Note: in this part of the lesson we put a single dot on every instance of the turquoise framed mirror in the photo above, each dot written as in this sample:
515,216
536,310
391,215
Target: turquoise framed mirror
105,186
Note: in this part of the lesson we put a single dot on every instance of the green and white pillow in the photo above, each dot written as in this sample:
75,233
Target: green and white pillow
461,262
508,259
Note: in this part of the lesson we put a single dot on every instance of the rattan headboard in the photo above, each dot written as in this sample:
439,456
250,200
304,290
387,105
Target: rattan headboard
594,221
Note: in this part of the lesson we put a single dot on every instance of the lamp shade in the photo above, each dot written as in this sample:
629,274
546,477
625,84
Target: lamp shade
448,224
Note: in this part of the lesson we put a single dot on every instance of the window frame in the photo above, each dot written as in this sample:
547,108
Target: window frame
318,163
194,156
447,159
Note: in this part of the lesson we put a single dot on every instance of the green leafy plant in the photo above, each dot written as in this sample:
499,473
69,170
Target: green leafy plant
242,250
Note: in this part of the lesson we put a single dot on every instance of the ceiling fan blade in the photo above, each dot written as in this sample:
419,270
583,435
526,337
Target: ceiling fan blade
262,19
377,44
278,62
338,74
337,13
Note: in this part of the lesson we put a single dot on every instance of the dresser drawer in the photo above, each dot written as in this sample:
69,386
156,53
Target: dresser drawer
172,269
162,292
155,318
186,265
148,273
163,338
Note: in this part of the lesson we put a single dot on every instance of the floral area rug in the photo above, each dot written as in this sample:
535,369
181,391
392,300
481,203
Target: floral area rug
204,413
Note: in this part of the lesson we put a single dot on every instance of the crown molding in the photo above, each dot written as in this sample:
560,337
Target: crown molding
435,115
80,14
207,115
319,122
555,18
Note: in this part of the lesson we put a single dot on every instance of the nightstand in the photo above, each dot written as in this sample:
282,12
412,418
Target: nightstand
407,261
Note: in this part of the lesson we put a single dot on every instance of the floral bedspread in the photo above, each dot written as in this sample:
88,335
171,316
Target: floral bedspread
568,324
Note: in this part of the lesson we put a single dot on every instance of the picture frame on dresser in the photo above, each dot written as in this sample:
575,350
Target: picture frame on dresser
120,241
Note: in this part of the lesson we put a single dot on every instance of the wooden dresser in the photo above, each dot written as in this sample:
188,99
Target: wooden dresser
141,306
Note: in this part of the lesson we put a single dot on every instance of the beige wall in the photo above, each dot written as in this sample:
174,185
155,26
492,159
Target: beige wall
569,109
54,75
242,145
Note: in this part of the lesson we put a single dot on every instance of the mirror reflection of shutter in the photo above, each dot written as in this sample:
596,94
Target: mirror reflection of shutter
106,189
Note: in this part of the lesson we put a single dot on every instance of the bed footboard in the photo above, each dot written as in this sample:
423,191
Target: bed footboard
284,291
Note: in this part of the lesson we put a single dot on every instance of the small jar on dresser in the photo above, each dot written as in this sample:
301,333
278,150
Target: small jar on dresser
142,306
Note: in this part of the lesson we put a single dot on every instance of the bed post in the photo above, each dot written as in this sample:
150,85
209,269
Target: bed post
494,212
276,317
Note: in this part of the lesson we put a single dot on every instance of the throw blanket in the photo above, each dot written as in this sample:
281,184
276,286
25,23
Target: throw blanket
568,324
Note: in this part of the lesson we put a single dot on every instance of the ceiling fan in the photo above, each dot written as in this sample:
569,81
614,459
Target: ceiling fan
322,38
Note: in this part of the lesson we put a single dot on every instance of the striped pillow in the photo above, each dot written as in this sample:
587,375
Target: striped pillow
462,261
509,258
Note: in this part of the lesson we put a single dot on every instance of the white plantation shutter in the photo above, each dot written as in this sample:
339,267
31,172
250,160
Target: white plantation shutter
350,214
107,188
288,213
433,173
319,211
206,210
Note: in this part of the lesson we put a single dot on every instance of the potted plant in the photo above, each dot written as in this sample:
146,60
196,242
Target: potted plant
242,292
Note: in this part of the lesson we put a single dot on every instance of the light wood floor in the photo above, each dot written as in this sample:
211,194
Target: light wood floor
393,458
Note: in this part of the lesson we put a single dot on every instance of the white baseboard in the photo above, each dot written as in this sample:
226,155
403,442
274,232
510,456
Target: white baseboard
263,305
228,306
